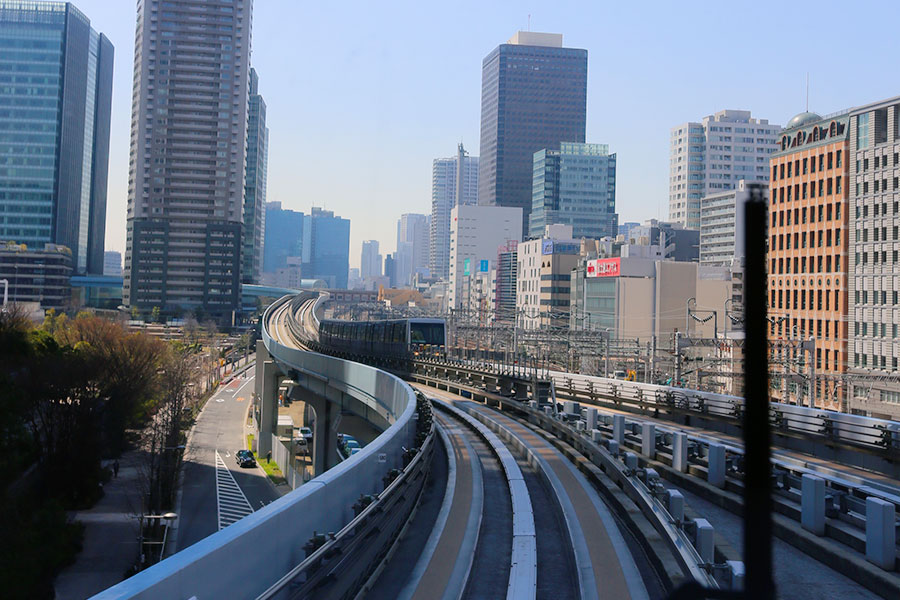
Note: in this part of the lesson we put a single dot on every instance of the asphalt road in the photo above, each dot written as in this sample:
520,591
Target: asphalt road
221,427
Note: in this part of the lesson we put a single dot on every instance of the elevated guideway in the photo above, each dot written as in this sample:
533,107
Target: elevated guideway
272,551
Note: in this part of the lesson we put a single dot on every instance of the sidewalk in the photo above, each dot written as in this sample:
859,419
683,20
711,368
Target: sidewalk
110,536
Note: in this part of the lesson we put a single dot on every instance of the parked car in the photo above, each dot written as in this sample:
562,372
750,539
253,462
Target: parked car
307,433
244,458
351,445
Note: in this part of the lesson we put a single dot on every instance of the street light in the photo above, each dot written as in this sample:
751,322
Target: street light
169,516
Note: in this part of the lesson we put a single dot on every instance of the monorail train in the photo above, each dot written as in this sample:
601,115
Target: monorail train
397,337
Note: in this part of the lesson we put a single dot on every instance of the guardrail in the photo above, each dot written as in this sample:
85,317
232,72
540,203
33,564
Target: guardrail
276,533
344,562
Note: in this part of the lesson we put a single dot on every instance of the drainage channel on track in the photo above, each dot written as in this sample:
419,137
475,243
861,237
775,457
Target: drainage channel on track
231,502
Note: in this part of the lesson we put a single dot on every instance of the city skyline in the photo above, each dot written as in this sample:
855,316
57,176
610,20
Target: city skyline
392,128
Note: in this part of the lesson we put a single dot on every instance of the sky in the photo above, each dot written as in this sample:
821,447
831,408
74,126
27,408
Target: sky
362,96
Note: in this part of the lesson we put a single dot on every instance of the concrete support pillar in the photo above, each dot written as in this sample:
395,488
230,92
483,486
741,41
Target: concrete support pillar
619,429
648,440
324,450
268,378
881,533
737,574
705,543
680,451
812,501
715,473
591,418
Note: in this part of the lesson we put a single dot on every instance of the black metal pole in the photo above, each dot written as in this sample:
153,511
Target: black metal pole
759,583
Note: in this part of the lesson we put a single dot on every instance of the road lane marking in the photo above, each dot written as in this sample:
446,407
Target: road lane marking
232,504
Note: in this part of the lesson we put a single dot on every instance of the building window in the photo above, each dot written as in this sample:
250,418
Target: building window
862,131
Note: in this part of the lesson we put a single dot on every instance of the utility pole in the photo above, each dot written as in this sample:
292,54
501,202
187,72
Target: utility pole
677,357
810,347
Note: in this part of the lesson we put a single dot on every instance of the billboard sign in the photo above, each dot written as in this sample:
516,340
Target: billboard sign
484,266
466,266
547,247
603,267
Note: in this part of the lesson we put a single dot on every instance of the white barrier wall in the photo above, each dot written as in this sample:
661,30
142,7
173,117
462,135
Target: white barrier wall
244,559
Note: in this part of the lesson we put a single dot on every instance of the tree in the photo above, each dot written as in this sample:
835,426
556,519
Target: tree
135,312
154,314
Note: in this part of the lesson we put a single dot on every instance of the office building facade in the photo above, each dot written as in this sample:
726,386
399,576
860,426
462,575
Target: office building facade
255,184
575,185
188,156
283,236
506,282
808,242
874,266
326,247
112,263
54,152
712,156
544,271
37,275
370,260
533,96
475,234
413,247
453,181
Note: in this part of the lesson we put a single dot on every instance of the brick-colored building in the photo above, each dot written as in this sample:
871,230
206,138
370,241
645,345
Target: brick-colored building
808,242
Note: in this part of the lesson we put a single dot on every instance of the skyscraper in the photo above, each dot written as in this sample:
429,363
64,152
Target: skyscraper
711,157
533,96
56,94
255,184
326,247
188,150
283,236
413,245
370,260
575,185
453,181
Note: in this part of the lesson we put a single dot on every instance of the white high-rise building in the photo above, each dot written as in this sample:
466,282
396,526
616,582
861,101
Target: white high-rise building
112,263
370,260
450,186
413,242
712,156
475,234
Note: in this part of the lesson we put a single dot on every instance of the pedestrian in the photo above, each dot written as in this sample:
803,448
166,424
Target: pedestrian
268,456
116,468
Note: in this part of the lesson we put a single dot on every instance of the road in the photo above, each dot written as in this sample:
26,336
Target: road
210,497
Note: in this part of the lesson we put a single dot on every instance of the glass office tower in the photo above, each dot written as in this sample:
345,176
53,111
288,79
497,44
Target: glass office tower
533,96
255,186
575,185
55,98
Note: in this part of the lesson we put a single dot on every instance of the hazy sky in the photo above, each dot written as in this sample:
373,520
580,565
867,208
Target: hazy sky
363,95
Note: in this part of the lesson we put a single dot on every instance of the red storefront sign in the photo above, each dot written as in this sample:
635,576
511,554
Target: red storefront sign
603,267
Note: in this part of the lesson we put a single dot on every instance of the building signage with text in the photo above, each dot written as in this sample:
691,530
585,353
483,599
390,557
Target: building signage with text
603,267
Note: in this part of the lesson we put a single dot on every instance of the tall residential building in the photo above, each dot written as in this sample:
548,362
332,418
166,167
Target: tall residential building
326,247
533,96
576,186
808,241
413,244
475,234
188,155
370,260
874,207
56,93
453,181
711,157
255,184
283,236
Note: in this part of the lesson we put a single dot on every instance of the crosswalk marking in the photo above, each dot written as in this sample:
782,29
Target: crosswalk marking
231,502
